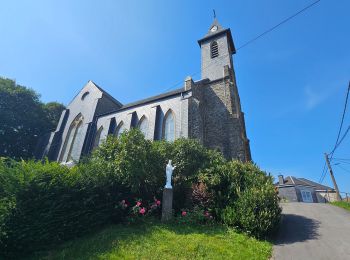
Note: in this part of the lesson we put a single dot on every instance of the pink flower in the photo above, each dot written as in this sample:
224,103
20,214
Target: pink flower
206,213
158,202
142,211
183,213
138,203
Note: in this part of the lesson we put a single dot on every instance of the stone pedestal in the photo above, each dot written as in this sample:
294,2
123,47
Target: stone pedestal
167,208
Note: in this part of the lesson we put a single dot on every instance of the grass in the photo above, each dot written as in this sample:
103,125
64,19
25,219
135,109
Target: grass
154,240
342,204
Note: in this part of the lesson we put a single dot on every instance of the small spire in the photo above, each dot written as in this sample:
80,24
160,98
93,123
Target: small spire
214,13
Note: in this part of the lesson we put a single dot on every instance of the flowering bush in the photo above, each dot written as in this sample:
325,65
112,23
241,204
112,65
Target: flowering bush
195,216
140,210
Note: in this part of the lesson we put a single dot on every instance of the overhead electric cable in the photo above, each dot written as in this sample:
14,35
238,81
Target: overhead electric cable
341,125
279,24
252,40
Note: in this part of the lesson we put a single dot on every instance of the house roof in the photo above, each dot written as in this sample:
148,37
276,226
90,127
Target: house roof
293,181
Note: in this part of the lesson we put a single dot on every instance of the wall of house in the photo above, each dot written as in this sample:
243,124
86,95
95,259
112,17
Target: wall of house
326,197
288,193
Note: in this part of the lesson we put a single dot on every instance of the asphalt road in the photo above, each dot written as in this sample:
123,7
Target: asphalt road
313,231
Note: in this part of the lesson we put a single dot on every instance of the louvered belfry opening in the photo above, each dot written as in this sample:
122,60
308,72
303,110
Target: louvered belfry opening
214,49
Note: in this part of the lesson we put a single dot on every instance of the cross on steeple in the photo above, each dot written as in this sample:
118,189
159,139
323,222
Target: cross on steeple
214,13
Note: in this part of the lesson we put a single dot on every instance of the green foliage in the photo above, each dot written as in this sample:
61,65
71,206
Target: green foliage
194,216
139,164
342,204
134,163
53,111
46,203
243,196
190,158
23,119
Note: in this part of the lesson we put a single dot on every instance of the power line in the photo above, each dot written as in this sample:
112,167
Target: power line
323,174
338,142
343,168
279,24
248,42
341,124
341,159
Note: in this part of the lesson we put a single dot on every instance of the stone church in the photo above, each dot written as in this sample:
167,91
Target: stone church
208,110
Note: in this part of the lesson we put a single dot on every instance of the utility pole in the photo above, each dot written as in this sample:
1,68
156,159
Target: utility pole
332,176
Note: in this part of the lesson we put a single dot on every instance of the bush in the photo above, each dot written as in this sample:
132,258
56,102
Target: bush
49,204
243,196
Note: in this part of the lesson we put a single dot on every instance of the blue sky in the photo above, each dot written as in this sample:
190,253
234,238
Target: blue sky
292,82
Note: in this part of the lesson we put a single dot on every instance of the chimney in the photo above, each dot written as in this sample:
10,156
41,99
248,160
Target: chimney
280,179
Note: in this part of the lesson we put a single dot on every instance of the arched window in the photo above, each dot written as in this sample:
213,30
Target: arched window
120,129
143,125
169,126
97,140
214,49
73,137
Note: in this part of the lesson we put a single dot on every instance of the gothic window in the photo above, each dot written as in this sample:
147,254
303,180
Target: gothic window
143,125
97,140
120,129
112,126
73,136
214,49
169,126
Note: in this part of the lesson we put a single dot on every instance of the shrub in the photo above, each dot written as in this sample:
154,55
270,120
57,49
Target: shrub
194,216
243,196
190,158
49,204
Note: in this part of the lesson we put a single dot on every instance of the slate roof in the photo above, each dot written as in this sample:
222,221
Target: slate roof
154,98
293,181
106,94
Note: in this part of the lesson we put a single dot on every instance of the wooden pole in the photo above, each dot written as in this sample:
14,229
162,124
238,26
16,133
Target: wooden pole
332,176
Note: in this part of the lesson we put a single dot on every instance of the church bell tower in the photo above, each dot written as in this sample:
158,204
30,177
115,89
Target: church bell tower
217,49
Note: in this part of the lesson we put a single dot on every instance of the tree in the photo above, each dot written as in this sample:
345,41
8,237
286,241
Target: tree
53,112
23,119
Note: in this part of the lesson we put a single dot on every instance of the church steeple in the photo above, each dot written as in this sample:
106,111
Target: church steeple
217,48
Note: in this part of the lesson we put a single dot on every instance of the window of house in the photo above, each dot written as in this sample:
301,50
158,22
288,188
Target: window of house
214,49
169,127
143,125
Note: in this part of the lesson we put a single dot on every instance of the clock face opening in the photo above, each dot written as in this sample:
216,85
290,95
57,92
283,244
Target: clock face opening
214,28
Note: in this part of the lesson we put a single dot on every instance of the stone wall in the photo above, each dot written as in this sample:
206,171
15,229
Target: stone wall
216,118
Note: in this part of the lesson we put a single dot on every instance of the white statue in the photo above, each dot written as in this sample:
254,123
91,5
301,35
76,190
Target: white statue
169,173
